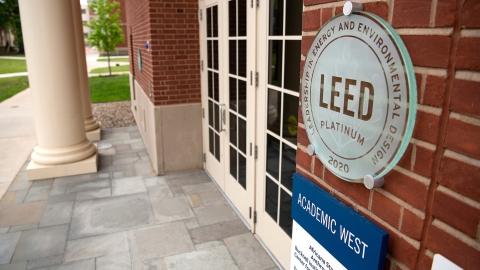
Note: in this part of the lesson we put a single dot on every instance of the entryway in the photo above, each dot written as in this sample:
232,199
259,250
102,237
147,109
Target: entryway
250,84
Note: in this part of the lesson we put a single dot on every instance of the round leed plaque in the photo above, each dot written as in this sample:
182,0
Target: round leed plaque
359,96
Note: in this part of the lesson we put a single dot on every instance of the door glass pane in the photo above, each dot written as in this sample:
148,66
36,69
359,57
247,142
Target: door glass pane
209,22
216,86
292,65
288,165
276,17
273,156
215,21
274,111
216,118
290,114
275,62
233,162
242,97
215,54
242,58
242,18
217,146
232,56
233,129
294,18
211,141
209,53
242,171
242,135
271,198
210,84
233,94
210,113
232,18
285,212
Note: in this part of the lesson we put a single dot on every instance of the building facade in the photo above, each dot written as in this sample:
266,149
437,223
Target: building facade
215,85
85,19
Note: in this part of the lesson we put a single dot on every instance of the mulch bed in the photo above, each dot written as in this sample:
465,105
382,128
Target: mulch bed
113,114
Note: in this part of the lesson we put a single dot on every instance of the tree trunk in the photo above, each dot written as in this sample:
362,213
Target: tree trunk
109,69
21,48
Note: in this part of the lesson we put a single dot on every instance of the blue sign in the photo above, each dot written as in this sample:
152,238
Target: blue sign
327,234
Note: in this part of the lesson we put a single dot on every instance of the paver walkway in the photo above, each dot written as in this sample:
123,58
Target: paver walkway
17,136
124,217
16,74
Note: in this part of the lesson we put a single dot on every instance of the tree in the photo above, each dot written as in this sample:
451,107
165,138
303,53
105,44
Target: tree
106,30
10,20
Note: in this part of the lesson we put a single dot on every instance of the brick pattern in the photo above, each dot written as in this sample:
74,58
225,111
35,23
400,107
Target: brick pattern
445,13
430,202
138,20
411,13
123,18
470,18
171,69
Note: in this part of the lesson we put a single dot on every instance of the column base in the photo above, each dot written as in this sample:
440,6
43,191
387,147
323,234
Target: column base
94,135
37,172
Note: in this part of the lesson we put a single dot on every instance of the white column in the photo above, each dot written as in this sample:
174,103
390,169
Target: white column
53,72
91,125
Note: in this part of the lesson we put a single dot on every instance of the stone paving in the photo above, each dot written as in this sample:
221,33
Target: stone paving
124,217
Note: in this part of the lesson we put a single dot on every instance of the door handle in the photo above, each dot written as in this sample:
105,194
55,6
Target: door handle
222,121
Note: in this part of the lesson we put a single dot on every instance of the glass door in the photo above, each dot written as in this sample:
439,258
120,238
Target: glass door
229,98
279,46
239,183
212,92
238,39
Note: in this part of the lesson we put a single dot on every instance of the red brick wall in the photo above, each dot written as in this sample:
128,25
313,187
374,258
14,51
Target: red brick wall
138,26
173,63
123,18
430,202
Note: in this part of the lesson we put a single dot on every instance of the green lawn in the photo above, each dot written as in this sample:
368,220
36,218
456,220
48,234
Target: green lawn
108,89
12,66
114,69
102,89
113,60
11,86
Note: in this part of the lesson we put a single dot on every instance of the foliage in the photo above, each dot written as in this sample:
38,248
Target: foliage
113,69
10,20
109,89
7,12
106,30
11,86
12,66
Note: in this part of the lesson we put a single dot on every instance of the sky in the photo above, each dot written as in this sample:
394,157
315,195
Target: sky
83,2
